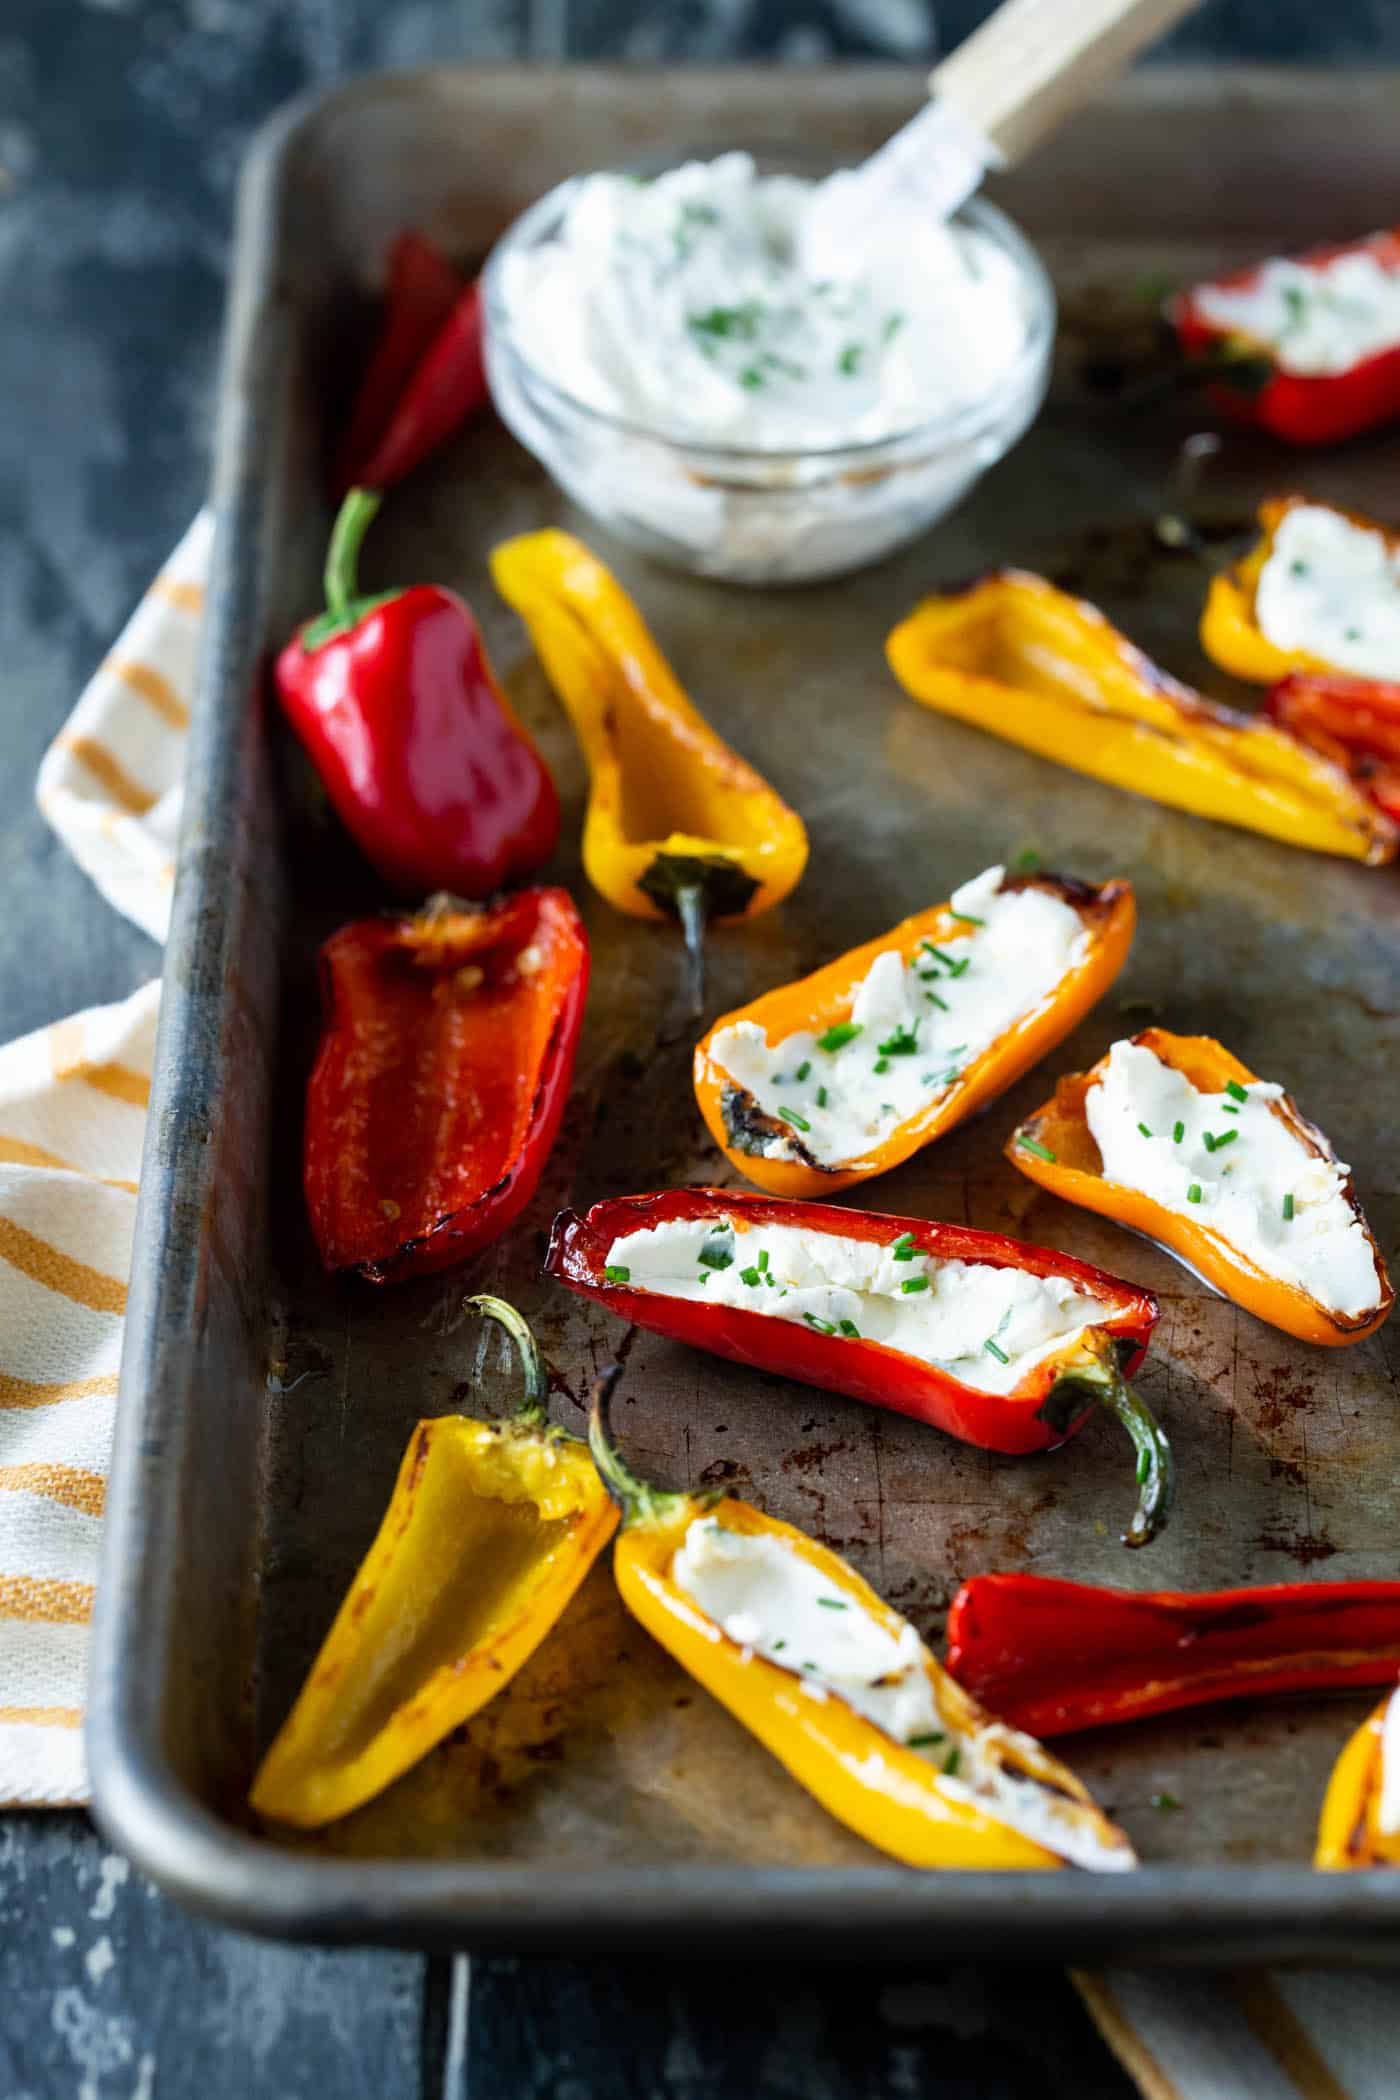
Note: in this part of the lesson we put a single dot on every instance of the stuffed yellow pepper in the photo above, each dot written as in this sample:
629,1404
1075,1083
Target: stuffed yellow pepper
1319,591
1172,1136
841,1075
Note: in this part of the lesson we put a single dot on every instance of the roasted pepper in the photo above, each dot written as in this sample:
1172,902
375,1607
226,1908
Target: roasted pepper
1230,631
1281,1227
1013,655
1353,721
939,1322
1360,1824
427,767
1302,406
489,1533
677,823
868,1723
445,1060
1052,1657
786,1146
421,291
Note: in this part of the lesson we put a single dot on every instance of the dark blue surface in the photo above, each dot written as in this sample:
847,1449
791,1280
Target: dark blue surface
121,127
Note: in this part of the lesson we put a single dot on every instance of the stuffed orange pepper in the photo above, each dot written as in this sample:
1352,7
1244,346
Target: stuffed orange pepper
842,1075
1319,591
1173,1137
1360,1825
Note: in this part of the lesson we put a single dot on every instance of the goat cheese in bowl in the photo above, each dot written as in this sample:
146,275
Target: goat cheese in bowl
662,345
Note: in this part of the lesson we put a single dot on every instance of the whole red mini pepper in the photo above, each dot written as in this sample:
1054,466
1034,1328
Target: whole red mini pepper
421,289
1303,408
423,759
1051,1656
1353,721
1053,1400
446,385
444,1067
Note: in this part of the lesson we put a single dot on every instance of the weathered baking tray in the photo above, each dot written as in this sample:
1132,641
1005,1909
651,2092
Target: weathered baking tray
263,1411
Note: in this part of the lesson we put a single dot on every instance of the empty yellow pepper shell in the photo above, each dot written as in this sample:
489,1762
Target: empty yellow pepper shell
1349,1832
1014,655
1230,632
677,823
888,1792
490,1531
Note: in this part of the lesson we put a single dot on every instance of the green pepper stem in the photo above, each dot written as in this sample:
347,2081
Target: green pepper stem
695,888
1096,1373
690,910
639,1501
532,1410
353,520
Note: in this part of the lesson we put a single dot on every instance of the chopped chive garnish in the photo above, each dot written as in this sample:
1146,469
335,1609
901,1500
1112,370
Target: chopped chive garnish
1225,1138
615,1273
992,1350
803,1069
1208,1139
822,1326
1165,1802
838,1035
1228,1108
762,1261
882,1064
1178,1133
1027,862
848,363
1233,1088
952,1761
914,1283
1144,1129
934,1000
1193,1194
850,1329
790,1115
821,1097
902,1043
924,1742
953,964
832,1604
967,918
1040,1151
751,1277
777,1645
903,1248
1288,1207
715,1255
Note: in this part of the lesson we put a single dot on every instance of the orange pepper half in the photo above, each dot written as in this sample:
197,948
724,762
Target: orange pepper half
1349,1833
1230,633
740,1127
1056,1148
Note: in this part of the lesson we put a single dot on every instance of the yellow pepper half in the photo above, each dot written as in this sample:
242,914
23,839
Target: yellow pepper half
1349,1833
490,1531
1014,655
677,824
926,1813
1230,632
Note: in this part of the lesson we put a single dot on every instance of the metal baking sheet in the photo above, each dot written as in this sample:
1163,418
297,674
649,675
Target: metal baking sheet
264,1410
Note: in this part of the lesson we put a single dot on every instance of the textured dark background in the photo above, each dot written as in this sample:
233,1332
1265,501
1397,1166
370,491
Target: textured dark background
121,127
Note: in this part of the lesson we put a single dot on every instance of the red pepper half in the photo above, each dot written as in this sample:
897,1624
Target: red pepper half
1303,408
447,385
1052,1656
424,761
420,292
1054,1400
1353,721
443,1071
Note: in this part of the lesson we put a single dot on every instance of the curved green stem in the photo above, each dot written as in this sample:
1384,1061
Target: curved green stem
532,1410
344,607
1095,1374
639,1501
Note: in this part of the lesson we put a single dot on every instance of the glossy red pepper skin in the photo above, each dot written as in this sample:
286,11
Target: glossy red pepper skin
421,289
1053,1656
447,385
1301,408
864,1370
443,1071
1353,721
423,759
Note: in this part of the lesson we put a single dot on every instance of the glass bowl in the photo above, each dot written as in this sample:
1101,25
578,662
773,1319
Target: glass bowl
763,517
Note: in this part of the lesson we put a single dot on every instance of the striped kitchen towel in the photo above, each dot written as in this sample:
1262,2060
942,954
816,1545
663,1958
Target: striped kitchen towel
72,1102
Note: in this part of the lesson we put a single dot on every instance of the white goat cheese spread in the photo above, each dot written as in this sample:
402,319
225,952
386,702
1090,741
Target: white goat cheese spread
913,1029
1332,589
1235,1167
681,305
1315,319
775,1602
986,1326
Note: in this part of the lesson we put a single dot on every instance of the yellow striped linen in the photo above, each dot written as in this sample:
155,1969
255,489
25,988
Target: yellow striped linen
110,782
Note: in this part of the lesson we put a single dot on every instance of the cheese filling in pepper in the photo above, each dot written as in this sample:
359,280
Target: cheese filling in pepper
913,1029
1331,588
1231,1163
1315,317
780,1605
987,1326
